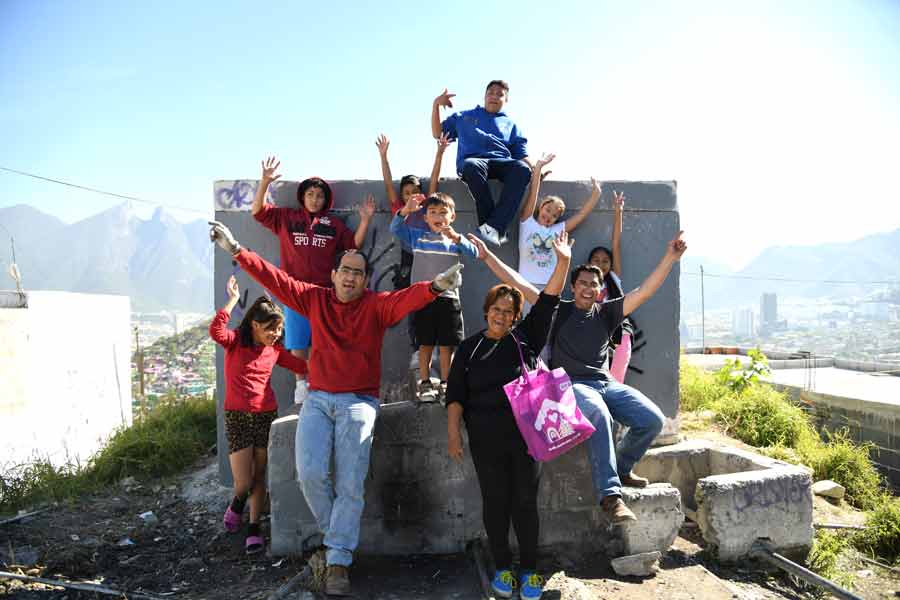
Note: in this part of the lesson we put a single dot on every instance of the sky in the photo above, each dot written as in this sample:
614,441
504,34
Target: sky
779,120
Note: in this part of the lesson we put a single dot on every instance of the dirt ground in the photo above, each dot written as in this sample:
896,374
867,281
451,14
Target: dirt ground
181,551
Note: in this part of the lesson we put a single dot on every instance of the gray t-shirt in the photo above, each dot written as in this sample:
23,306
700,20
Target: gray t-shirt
581,340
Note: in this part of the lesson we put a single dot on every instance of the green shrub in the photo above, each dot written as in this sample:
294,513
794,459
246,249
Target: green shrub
738,376
826,552
847,463
698,389
882,535
762,416
172,436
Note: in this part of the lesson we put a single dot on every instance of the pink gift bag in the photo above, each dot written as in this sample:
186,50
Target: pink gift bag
543,404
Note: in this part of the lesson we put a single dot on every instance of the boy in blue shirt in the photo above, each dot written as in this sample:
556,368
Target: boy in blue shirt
435,250
491,146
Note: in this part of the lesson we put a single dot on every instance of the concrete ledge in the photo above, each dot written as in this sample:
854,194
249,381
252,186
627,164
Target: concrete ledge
738,496
418,500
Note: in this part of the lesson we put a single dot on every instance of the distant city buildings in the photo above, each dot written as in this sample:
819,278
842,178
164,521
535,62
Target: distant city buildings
743,323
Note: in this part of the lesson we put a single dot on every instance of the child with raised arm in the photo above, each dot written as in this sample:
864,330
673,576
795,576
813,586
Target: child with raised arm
309,239
409,186
251,352
610,263
539,225
435,249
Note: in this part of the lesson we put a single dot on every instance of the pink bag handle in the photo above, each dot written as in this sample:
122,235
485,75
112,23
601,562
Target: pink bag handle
521,357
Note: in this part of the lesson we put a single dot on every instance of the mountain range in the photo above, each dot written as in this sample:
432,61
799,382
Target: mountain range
163,264
160,263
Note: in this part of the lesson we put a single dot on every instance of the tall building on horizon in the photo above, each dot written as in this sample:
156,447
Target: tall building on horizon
742,323
768,311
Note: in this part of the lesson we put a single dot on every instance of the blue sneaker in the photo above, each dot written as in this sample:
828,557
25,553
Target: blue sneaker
504,583
532,586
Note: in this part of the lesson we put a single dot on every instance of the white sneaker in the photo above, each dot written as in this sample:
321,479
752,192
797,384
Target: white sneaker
489,234
301,391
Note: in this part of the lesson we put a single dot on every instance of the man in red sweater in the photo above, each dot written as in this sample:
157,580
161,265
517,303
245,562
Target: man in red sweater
348,323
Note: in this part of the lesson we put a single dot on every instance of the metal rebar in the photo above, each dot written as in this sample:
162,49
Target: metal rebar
804,574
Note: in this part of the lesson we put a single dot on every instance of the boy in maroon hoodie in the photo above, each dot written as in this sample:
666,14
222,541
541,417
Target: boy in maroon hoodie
309,239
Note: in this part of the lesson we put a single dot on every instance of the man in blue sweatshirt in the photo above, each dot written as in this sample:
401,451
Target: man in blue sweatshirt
491,146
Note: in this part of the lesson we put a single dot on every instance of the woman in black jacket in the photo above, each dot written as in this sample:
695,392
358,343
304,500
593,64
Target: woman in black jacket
481,366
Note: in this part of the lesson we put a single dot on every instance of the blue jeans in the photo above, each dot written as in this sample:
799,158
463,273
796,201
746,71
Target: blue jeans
515,176
602,402
342,424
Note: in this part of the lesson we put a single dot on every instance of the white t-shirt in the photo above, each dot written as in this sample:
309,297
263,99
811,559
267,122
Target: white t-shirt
537,260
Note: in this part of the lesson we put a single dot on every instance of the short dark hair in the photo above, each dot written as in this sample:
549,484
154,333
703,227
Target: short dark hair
500,290
314,182
586,268
440,199
340,255
600,249
264,311
410,180
499,82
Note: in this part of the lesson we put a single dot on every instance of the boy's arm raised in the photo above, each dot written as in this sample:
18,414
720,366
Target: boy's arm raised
442,143
576,219
444,99
503,271
534,189
637,297
269,166
366,212
383,142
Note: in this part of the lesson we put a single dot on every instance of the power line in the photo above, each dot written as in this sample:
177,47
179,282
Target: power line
790,280
103,192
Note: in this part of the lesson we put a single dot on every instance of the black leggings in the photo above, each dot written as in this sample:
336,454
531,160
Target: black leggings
509,479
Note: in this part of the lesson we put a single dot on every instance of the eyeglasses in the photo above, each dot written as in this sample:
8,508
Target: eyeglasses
349,271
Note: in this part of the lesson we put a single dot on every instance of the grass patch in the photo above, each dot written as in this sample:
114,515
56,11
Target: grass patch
882,535
168,439
842,460
828,546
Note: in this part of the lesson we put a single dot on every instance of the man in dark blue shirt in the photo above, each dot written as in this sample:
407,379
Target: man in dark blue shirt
491,146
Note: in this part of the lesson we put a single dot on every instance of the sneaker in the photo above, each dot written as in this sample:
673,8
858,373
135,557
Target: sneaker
489,234
503,584
632,480
442,393
615,509
425,391
531,586
301,391
337,581
231,520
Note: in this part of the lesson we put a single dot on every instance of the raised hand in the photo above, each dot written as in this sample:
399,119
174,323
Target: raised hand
449,279
367,208
232,287
562,245
221,235
677,246
545,159
382,142
618,200
596,190
413,204
269,166
445,98
479,244
443,142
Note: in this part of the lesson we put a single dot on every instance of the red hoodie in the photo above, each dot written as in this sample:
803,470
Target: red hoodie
307,243
347,353
248,369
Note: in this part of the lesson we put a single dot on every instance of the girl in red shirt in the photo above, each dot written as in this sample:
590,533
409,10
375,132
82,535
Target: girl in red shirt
251,352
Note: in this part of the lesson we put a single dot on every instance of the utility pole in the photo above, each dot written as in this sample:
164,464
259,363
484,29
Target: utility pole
140,367
702,313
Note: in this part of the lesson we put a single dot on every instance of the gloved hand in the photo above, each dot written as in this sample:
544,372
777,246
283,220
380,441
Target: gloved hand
449,279
221,235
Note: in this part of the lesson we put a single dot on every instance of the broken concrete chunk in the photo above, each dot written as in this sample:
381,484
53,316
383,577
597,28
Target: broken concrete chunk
637,565
828,489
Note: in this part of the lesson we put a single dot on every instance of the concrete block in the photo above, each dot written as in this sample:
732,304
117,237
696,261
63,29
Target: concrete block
680,465
828,489
659,517
637,565
282,465
737,509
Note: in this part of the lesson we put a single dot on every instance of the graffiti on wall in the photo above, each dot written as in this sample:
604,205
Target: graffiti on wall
238,194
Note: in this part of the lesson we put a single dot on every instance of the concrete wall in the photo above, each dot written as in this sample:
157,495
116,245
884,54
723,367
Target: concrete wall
65,371
651,220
